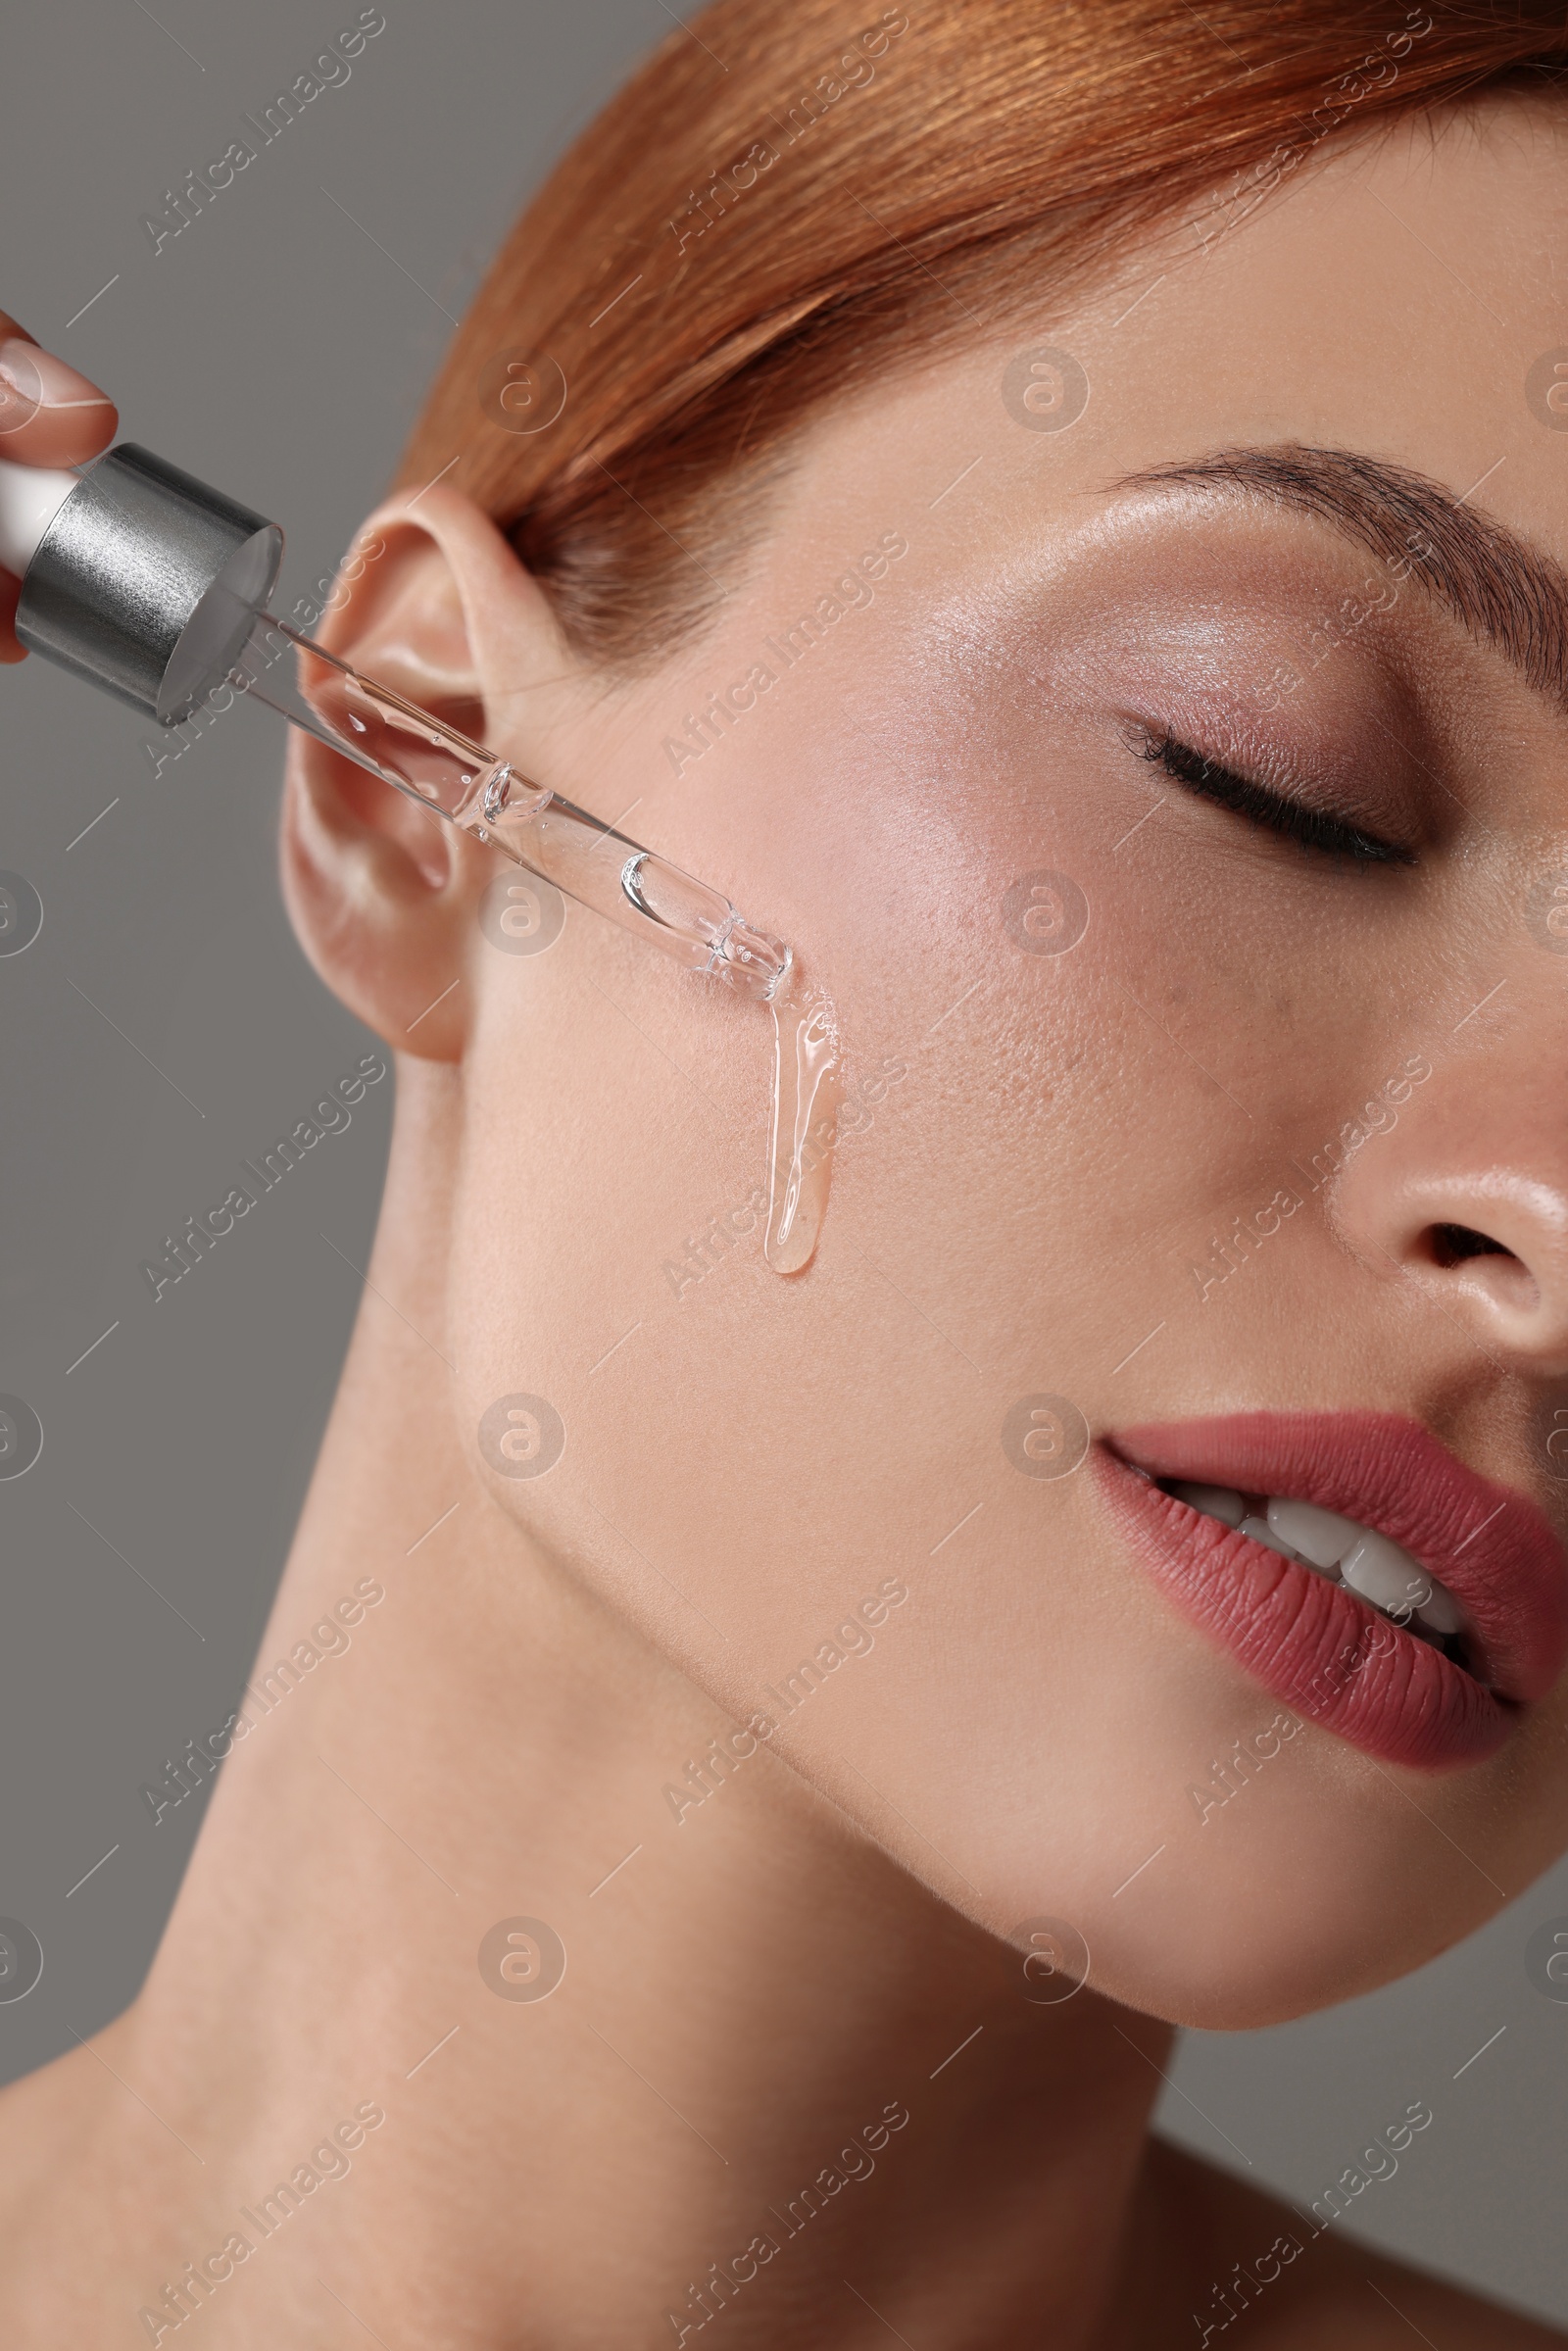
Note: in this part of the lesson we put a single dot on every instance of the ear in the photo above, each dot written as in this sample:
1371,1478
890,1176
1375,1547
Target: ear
432,602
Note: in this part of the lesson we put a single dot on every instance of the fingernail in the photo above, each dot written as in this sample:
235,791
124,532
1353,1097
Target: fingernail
31,378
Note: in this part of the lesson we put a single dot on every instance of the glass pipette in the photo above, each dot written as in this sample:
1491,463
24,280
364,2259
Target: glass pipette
485,796
154,586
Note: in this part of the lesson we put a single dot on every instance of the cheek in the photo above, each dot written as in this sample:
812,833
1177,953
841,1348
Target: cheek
715,1445
812,1426
987,1228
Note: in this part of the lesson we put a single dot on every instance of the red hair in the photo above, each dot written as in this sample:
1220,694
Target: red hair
772,213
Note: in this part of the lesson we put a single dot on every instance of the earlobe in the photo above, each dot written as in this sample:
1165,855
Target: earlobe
381,891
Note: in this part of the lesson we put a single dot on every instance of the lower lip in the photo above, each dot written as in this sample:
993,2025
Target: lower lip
1309,1641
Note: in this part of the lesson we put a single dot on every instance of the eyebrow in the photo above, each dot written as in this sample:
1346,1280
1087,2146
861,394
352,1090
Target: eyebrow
1502,591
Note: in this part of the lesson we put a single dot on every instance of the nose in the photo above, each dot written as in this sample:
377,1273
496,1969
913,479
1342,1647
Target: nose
1466,1192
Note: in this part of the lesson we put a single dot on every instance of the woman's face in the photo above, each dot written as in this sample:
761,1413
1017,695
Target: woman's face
1160,1114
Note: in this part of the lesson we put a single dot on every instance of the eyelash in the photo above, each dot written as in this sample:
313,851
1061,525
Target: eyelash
1312,828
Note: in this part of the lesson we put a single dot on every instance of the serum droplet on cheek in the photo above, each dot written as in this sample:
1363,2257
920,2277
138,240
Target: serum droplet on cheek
807,1062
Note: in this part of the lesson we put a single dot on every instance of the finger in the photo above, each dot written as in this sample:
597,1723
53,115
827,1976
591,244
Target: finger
49,414
10,590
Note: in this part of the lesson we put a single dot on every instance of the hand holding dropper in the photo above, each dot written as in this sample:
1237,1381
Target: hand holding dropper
155,588
49,417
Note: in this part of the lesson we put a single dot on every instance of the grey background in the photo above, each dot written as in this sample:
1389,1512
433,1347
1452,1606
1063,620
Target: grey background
163,1026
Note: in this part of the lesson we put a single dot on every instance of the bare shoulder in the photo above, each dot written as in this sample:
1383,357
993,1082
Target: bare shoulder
1241,2271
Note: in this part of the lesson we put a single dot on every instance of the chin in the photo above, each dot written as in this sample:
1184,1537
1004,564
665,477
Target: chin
1281,1925
1225,1860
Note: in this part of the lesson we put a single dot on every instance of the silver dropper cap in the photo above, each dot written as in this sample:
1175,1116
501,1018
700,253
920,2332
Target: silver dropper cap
146,583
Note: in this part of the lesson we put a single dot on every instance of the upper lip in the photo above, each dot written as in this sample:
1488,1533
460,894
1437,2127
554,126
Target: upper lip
1491,1548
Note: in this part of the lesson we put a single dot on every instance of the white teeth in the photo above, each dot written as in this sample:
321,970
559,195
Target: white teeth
1261,1532
1375,1568
1386,1576
1441,1611
1322,1537
1215,1501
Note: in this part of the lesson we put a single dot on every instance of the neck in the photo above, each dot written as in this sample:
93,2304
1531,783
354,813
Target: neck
779,2079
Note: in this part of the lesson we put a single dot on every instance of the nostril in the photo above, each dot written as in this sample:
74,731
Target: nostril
1452,1243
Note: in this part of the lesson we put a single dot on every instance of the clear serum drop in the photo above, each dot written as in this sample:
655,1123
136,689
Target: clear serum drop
808,1064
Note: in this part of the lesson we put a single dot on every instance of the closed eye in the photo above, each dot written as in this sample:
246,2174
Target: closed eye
1313,828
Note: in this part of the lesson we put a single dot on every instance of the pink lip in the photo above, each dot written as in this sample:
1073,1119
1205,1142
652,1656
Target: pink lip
1312,1642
